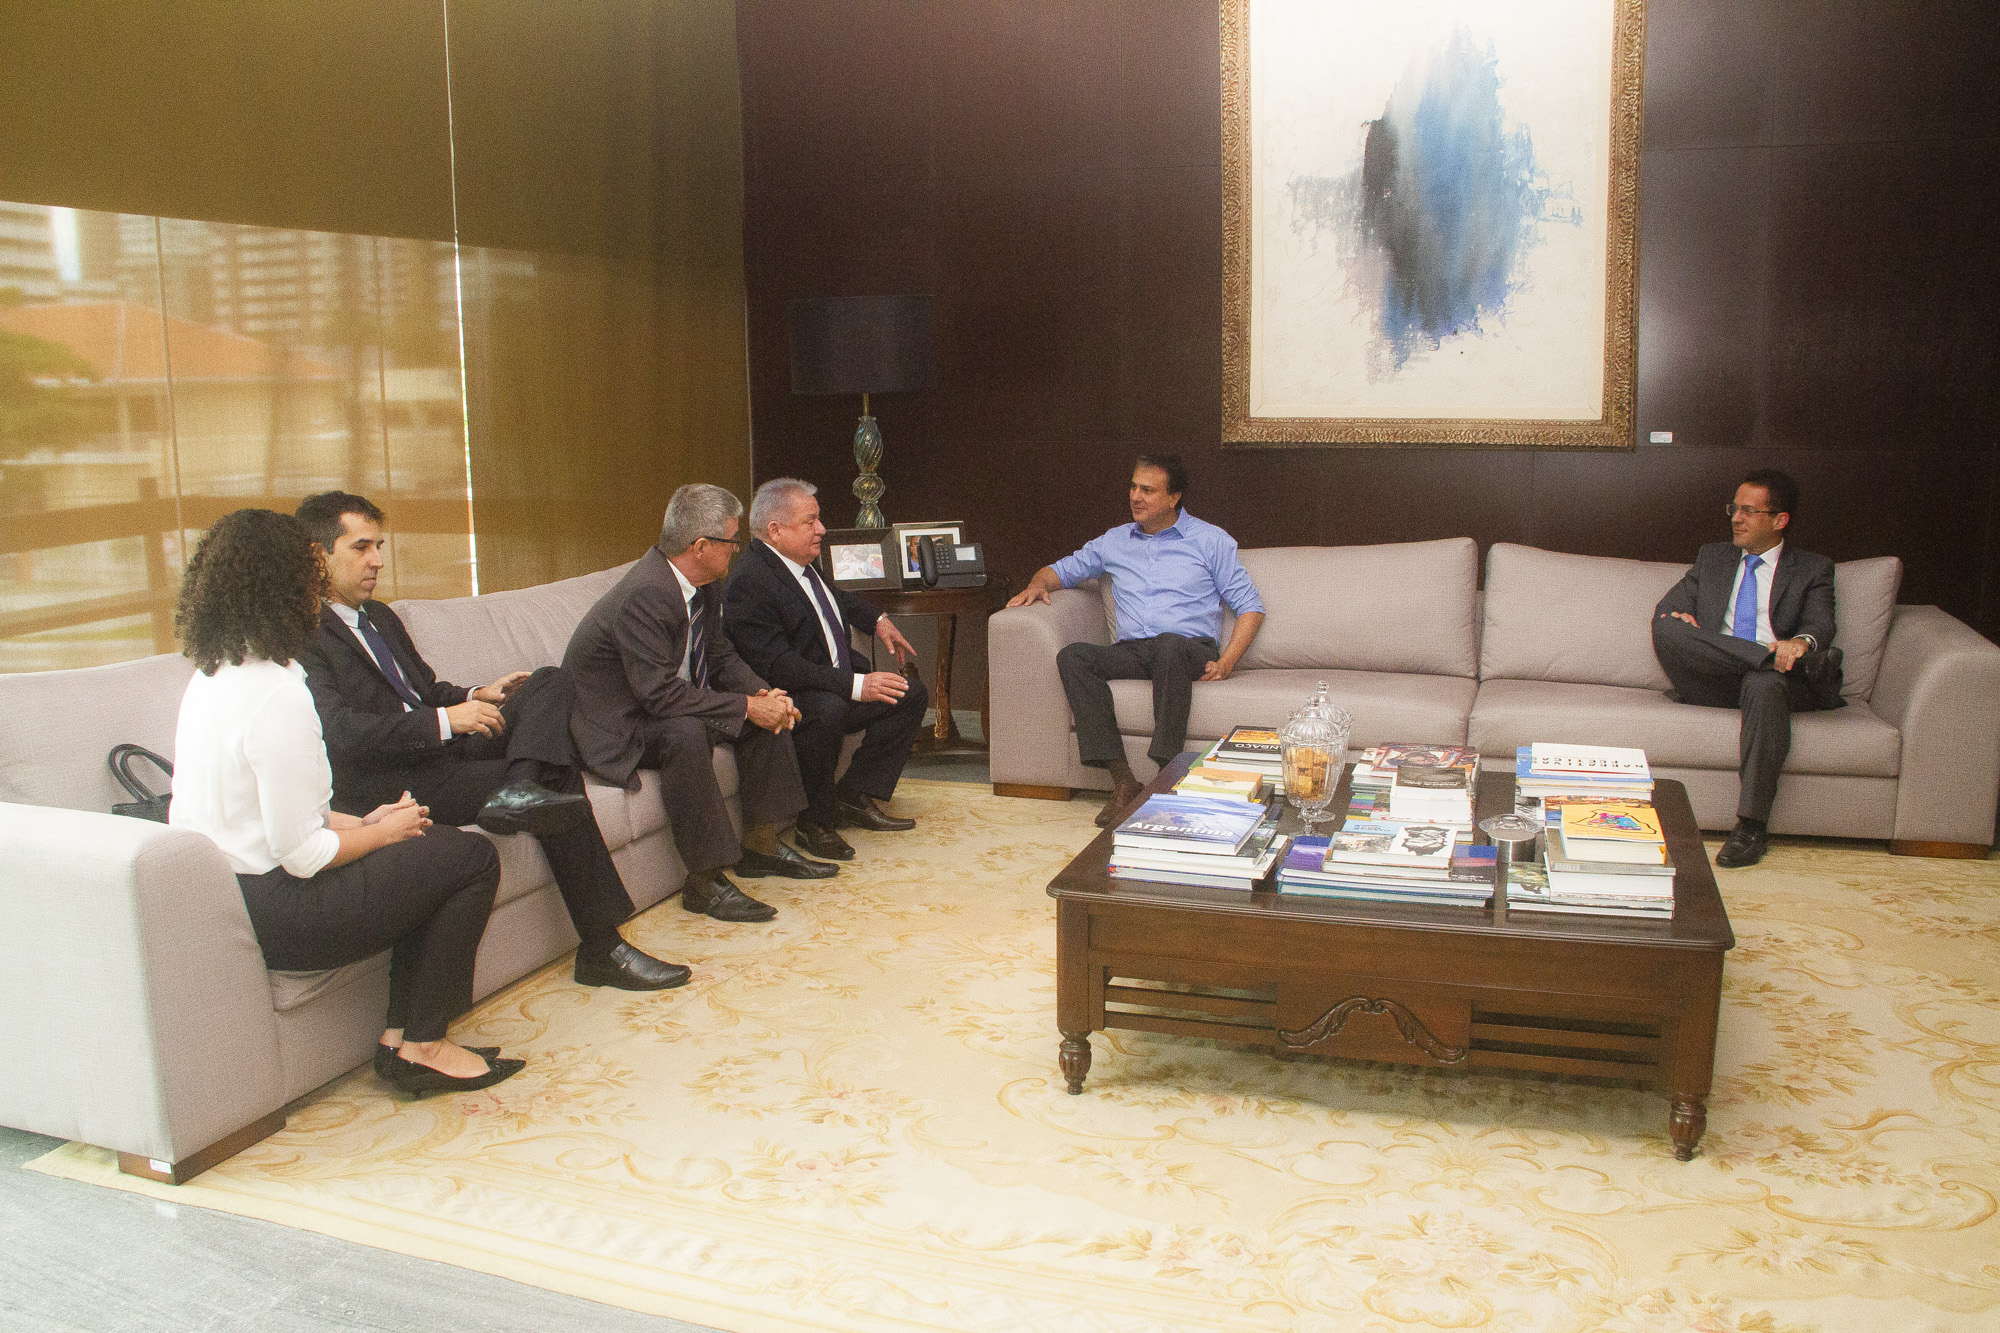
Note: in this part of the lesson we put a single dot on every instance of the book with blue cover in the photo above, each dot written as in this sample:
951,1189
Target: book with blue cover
1208,825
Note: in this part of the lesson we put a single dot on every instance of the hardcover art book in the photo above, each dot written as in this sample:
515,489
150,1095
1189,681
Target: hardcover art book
1196,823
1252,743
1386,843
1629,821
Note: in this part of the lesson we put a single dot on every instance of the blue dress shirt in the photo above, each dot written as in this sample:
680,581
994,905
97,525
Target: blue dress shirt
1170,582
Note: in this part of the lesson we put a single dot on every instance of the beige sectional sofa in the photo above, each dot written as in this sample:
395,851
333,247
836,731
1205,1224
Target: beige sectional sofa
135,1010
1556,648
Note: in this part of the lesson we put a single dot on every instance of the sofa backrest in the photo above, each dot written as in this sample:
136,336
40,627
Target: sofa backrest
56,727
1588,619
473,640
1399,606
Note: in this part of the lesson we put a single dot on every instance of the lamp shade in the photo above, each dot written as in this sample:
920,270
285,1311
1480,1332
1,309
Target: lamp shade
860,344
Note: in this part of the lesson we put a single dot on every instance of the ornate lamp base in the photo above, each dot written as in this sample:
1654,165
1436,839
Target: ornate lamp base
868,488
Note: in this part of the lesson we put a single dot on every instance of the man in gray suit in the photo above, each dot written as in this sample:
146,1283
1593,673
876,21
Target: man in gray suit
658,685
1750,627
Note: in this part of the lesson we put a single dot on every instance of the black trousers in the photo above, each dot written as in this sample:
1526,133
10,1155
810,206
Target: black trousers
1173,662
458,782
889,730
425,899
767,782
1716,670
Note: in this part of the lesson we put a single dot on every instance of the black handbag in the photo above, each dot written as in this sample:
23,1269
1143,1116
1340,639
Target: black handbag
143,805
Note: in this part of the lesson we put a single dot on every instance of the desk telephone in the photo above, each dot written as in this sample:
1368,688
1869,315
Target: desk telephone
944,563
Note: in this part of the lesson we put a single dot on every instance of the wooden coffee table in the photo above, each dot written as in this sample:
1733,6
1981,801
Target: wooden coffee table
1446,987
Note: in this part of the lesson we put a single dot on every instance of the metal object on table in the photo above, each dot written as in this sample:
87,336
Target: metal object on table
1507,831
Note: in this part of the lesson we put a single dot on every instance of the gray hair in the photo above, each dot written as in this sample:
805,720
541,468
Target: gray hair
697,510
775,500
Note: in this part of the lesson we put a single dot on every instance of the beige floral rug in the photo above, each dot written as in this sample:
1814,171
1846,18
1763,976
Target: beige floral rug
852,1119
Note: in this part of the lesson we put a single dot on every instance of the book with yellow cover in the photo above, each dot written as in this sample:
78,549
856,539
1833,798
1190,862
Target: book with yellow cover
1611,821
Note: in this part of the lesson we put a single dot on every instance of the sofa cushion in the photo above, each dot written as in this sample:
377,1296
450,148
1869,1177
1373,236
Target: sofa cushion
1582,618
472,640
56,727
1847,742
1398,606
1864,594
1386,705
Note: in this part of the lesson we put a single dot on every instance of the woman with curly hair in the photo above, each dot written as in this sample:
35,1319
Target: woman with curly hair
250,771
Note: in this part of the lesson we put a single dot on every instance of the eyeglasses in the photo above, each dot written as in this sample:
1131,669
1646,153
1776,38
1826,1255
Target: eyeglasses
1747,511
738,542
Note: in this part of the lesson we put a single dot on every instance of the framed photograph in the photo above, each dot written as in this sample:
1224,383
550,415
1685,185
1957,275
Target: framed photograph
1430,219
907,535
858,559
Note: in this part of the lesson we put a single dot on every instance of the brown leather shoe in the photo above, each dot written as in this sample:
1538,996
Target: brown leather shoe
1123,797
867,812
818,840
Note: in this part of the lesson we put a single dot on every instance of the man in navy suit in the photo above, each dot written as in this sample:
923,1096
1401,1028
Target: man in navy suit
499,755
1751,627
791,625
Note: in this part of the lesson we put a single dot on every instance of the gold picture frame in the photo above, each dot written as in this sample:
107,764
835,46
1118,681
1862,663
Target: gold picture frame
1311,344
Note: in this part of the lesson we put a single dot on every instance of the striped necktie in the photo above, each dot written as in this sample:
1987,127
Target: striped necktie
698,644
833,621
385,659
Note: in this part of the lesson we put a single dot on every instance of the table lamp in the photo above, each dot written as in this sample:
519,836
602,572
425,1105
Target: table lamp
864,345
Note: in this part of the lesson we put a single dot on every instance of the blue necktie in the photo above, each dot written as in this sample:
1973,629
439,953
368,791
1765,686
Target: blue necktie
826,608
385,659
698,645
1745,624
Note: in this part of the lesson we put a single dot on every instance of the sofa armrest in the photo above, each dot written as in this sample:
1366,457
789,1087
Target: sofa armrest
1940,686
1030,717
135,1011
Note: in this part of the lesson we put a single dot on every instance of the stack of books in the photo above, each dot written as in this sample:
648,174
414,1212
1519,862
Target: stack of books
1386,861
1546,771
1256,749
1408,782
1603,856
1216,842
1209,778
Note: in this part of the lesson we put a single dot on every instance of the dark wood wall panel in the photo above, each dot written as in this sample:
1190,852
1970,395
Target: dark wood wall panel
1817,289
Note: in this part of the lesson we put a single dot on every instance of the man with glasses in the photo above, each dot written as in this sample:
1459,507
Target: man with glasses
791,625
1751,627
658,686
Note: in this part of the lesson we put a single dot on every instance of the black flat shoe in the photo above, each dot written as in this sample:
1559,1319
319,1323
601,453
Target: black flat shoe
421,1080
756,865
1822,672
867,812
713,895
529,807
1745,846
627,968
821,841
384,1054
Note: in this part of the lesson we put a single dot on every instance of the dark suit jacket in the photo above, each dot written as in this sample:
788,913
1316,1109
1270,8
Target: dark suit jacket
626,657
368,731
1801,592
776,628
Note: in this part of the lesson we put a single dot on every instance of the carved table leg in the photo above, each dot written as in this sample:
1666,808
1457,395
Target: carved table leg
1685,1124
1075,1060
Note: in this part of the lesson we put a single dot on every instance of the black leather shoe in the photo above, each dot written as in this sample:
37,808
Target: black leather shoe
623,967
867,812
1745,846
711,894
815,837
384,1054
756,865
421,1080
529,807
1822,672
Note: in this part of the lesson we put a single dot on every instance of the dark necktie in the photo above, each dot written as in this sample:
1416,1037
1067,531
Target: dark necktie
698,644
385,659
833,621
1746,600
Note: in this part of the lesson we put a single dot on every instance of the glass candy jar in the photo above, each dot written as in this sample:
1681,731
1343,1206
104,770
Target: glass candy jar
1313,744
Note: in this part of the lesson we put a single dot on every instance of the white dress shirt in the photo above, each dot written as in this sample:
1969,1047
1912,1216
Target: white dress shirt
1765,573
688,590
250,769
833,634
352,619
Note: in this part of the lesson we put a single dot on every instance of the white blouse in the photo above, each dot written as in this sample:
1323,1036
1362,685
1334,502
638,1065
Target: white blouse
250,769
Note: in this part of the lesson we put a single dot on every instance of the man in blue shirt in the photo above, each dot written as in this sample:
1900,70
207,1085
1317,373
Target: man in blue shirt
1170,574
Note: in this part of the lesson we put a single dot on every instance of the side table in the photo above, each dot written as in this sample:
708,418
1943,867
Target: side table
947,604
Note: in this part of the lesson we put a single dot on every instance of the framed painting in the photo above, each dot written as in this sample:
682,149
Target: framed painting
909,534
1430,221
858,559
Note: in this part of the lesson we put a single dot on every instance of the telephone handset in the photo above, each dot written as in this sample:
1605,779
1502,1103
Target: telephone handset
943,563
